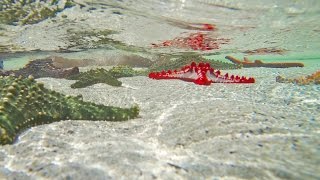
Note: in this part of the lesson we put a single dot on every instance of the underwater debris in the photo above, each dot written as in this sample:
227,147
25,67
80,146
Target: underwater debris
258,63
25,103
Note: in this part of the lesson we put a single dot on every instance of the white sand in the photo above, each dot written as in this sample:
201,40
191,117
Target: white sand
265,130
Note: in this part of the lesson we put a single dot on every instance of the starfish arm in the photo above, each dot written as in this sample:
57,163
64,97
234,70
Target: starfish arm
93,77
25,103
259,63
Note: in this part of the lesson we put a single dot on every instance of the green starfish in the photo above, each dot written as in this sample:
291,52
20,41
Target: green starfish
94,76
177,63
126,71
101,75
42,68
25,103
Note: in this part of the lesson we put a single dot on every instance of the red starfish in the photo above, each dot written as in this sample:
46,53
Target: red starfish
201,74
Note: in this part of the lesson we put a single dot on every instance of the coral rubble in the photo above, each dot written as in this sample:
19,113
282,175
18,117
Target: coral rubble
25,103
310,79
259,63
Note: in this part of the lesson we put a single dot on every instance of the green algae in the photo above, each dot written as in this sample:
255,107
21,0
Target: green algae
25,103
24,12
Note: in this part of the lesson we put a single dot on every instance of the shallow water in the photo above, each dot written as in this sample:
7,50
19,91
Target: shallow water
104,30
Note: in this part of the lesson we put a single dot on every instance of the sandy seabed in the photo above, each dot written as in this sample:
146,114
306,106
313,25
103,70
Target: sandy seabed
265,130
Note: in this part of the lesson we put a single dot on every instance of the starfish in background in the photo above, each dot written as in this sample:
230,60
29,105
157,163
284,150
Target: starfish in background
258,63
304,80
201,74
41,68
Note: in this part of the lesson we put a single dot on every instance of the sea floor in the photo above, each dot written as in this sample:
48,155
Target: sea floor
266,130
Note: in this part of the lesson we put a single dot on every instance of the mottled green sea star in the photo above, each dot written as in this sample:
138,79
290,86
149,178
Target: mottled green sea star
25,103
101,75
42,68
182,60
